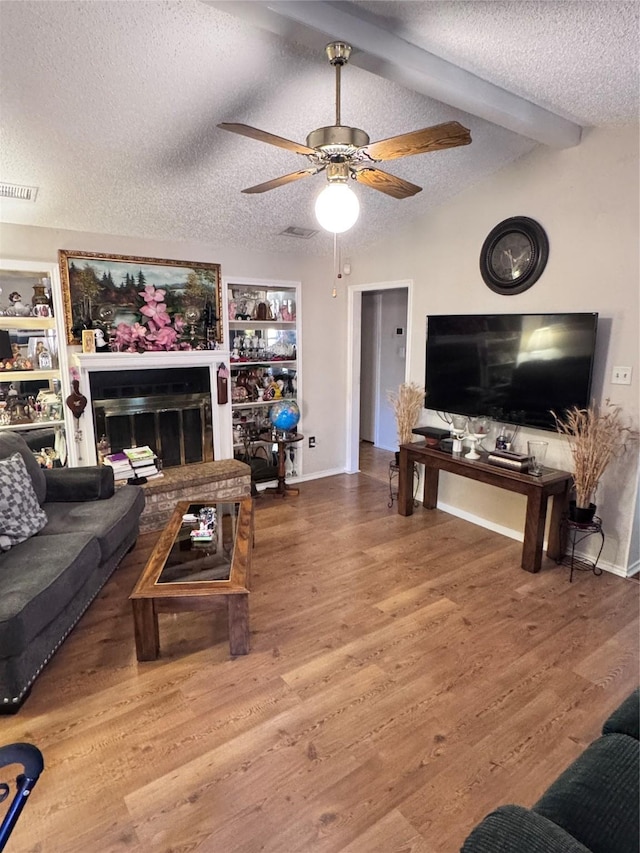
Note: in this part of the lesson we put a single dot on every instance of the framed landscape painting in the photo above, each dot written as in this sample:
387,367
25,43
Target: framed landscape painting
149,294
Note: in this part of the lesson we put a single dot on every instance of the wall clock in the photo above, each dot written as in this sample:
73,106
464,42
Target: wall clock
514,255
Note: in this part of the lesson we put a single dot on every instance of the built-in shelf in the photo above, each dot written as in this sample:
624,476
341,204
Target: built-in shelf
253,404
264,363
27,323
262,324
27,375
31,425
41,392
253,344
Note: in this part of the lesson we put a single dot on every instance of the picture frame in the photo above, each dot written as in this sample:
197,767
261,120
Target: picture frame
41,352
104,289
88,340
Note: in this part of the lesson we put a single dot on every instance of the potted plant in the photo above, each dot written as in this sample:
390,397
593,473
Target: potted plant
596,435
407,405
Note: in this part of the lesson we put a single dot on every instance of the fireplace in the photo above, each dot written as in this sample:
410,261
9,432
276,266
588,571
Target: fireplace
166,400
169,410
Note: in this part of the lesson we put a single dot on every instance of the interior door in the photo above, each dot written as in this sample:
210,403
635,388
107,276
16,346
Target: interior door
382,364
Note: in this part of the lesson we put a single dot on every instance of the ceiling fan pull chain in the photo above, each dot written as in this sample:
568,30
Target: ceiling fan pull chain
336,265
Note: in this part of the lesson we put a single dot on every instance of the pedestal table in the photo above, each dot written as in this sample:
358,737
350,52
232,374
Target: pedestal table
283,440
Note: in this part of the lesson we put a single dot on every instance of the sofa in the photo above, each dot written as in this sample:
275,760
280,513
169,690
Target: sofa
63,531
593,806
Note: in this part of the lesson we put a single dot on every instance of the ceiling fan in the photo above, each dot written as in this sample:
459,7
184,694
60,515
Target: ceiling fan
347,152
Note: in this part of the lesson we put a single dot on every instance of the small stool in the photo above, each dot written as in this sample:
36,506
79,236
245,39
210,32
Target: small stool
394,471
576,533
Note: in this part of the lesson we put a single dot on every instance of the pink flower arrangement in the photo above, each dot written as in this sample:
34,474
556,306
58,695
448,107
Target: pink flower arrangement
155,309
158,334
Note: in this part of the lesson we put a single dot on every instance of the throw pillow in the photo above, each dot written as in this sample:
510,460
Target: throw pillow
21,516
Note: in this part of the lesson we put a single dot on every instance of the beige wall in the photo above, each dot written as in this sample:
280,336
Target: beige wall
586,198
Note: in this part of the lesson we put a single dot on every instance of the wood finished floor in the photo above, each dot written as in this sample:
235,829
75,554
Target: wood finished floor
406,676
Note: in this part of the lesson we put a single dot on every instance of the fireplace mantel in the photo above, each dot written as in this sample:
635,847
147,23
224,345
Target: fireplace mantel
114,361
149,360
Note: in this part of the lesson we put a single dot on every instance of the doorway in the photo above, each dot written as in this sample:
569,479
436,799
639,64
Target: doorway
378,347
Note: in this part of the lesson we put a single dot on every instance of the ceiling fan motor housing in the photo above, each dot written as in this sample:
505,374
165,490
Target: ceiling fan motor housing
337,140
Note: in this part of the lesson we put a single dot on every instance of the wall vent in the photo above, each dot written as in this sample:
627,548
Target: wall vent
296,231
17,191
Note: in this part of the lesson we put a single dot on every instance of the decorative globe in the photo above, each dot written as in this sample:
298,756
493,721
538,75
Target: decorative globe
284,415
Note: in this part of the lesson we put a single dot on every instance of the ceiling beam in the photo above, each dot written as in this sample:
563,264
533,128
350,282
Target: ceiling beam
381,52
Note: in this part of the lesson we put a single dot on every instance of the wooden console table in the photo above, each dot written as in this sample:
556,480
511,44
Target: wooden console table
537,490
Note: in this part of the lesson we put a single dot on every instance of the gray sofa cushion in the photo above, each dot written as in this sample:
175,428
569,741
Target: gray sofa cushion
596,798
109,520
13,443
514,829
38,579
91,483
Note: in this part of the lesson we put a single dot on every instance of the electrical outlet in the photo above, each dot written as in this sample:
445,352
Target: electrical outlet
621,376
312,441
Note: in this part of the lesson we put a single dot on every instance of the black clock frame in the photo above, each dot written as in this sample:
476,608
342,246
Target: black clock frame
539,243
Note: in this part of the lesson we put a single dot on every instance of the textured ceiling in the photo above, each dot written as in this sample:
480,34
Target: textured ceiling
110,108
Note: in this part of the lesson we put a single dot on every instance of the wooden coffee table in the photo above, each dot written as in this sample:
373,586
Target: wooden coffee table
182,575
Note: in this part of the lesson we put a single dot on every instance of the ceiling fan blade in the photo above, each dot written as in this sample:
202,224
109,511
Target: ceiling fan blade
263,136
386,183
285,179
448,135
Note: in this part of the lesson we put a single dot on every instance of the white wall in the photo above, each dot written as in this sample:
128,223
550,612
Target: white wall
587,200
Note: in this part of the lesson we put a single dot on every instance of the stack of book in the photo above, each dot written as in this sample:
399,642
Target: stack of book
143,461
122,469
508,459
133,462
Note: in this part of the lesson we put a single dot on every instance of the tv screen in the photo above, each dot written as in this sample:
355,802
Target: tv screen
514,368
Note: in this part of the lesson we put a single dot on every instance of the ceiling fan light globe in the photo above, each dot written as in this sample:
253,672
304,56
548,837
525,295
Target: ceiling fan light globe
337,208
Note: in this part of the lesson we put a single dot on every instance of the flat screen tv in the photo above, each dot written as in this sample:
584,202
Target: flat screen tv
514,368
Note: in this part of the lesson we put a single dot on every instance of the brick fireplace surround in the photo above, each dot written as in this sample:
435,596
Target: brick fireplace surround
204,481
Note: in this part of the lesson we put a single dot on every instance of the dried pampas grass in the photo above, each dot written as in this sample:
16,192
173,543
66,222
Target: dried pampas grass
407,405
596,435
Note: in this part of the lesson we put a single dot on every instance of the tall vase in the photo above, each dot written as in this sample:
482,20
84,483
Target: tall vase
40,301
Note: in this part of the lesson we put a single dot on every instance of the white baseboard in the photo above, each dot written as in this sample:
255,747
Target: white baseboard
483,522
318,475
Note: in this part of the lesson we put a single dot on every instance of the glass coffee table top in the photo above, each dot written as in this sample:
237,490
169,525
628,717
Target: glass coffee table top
206,555
186,572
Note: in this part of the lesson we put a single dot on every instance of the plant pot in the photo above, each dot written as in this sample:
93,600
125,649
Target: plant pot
581,514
